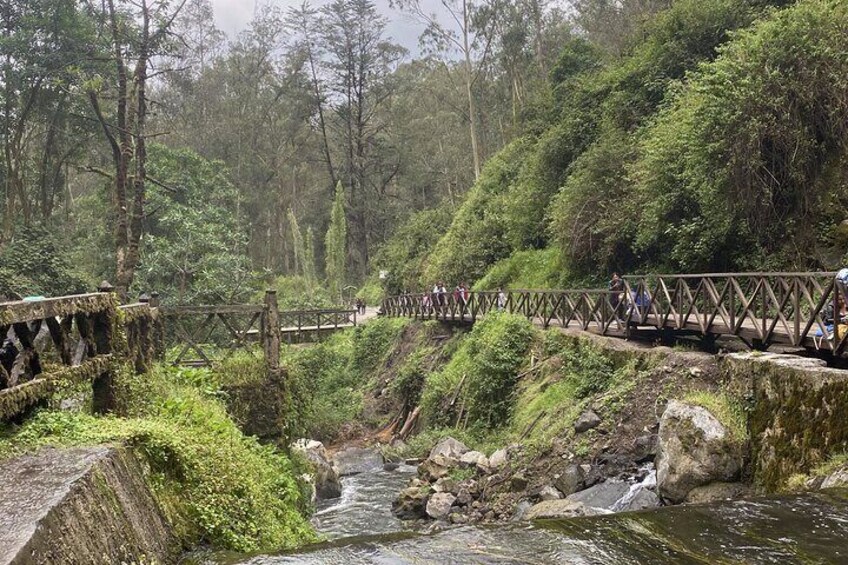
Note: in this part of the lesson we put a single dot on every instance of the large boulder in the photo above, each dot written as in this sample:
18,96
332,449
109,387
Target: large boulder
474,459
433,469
439,505
694,449
838,478
549,493
603,495
555,509
639,497
324,476
452,450
411,503
570,480
498,459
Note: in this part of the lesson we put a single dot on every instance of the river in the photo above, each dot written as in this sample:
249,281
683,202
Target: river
360,529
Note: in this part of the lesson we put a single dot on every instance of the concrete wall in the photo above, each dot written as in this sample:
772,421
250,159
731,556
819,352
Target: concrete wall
83,505
798,413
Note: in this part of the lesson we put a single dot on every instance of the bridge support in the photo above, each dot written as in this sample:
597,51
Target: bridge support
271,337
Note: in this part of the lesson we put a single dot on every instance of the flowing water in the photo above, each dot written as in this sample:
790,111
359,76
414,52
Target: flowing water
810,528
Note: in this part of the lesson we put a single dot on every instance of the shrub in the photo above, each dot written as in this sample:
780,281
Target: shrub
214,484
483,371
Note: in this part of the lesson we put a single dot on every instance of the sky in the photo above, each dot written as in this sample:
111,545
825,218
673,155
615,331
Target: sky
232,16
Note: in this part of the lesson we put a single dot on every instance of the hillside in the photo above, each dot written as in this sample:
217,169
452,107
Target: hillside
717,141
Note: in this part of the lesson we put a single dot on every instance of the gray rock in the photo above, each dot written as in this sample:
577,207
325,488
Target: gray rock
439,505
434,469
836,479
445,484
717,491
638,497
325,479
471,459
554,509
411,503
549,493
521,510
603,495
695,449
645,448
450,449
570,480
498,459
464,497
518,482
457,518
586,422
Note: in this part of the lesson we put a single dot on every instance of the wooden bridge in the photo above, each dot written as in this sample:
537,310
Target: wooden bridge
205,335
761,309
50,344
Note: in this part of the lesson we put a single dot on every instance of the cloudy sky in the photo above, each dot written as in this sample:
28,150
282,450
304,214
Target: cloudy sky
232,16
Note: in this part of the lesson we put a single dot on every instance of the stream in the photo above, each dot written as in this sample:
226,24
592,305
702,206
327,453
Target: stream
360,529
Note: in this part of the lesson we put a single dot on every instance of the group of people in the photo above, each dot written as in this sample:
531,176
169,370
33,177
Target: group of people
360,305
439,298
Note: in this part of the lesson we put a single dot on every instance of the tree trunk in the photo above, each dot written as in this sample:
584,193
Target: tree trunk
469,91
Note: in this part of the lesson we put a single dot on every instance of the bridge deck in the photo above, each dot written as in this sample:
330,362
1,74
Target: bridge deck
762,309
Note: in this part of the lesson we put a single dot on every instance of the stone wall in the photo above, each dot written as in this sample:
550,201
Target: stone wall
798,413
83,505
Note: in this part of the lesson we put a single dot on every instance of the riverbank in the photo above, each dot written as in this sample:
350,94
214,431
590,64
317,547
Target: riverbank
571,416
211,484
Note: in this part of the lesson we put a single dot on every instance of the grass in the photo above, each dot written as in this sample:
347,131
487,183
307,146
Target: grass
833,464
727,410
215,485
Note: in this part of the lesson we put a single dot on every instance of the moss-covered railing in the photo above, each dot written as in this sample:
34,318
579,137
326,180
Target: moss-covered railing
53,342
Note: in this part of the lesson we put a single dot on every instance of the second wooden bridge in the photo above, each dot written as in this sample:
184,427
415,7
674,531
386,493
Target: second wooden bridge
761,309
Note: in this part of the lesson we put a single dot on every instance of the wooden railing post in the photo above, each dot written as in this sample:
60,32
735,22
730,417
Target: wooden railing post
102,326
271,341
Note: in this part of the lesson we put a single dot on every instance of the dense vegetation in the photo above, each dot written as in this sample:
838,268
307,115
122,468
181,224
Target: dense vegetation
215,485
548,149
716,140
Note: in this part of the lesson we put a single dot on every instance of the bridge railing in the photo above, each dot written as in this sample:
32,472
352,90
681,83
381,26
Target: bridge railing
760,308
298,320
54,342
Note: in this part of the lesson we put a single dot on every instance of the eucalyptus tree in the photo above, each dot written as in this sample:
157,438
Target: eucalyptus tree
470,32
361,64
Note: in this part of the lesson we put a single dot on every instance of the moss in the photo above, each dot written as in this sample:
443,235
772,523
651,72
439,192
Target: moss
16,400
215,485
726,409
797,420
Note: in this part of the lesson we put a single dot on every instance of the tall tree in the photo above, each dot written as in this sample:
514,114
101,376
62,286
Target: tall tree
132,52
309,256
361,63
298,251
335,245
45,45
305,23
469,33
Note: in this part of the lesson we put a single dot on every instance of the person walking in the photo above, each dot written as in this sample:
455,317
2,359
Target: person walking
616,288
501,300
841,282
